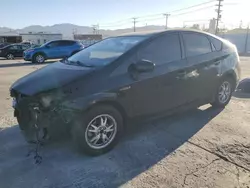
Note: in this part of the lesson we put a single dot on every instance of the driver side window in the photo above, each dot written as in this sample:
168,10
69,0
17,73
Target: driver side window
161,50
53,44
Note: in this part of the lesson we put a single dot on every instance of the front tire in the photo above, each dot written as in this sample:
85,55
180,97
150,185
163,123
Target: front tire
224,92
38,58
99,131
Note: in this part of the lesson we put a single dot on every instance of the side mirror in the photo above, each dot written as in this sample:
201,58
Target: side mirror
143,66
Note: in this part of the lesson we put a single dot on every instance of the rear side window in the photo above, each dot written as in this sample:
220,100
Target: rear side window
25,47
67,43
196,44
216,43
14,47
162,50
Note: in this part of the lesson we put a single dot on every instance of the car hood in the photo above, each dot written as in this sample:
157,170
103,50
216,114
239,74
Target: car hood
50,77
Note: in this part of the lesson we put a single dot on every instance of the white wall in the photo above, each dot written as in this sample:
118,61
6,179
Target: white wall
40,38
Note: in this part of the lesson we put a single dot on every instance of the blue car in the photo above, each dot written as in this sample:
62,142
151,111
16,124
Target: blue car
52,50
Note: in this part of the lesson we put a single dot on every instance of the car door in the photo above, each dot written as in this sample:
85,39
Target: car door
53,49
19,51
162,89
203,65
13,49
67,48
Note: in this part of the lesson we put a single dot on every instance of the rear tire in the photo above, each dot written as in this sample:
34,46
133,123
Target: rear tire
38,58
99,130
10,56
224,92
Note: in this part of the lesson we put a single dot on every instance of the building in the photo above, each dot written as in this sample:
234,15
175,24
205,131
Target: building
88,39
40,37
10,38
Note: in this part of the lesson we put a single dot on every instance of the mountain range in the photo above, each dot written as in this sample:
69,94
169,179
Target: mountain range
67,29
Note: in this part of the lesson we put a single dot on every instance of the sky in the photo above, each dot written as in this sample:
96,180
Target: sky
115,14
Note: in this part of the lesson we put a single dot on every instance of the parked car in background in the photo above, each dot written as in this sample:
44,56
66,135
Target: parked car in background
52,50
134,76
13,50
4,44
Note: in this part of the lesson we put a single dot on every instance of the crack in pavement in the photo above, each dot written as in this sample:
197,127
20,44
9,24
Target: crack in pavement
238,175
220,156
197,169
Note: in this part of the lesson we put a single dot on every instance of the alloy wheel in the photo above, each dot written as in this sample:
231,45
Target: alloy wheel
224,92
39,59
101,131
10,56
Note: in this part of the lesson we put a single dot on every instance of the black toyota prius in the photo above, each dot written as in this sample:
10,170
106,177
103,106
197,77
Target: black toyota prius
132,76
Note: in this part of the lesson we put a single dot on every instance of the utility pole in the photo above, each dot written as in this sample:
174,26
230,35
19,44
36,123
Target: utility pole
166,15
240,26
246,44
134,22
218,10
95,29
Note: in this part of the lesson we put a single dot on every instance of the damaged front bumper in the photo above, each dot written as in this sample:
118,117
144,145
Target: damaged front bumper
53,122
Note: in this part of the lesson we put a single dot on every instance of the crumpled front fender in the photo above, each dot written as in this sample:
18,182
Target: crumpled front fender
83,103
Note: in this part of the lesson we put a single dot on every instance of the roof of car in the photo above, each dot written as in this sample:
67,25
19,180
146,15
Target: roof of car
63,40
155,32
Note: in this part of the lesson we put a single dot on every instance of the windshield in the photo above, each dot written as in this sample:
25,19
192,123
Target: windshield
45,44
104,52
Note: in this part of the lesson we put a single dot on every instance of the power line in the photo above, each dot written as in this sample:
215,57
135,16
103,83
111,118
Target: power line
178,14
152,15
159,18
193,6
192,11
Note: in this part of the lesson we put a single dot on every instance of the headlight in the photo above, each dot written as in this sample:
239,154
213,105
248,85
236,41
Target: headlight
50,99
28,51
46,100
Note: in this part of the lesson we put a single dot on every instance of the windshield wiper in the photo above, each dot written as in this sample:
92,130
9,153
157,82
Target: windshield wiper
81,64
65,60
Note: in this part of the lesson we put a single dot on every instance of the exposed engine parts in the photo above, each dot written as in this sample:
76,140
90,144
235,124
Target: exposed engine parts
37,157
38,124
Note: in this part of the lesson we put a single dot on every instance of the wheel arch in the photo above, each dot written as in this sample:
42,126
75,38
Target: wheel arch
112,103
84,104
231,75
39,52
